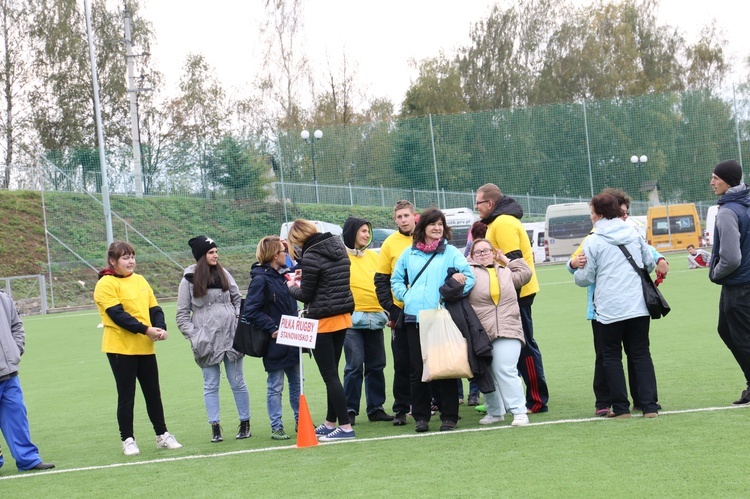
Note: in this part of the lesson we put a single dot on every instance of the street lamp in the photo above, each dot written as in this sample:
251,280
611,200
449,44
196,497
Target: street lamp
639,162
318,134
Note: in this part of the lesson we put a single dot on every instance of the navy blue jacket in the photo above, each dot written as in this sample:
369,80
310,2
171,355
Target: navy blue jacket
739,203
267,300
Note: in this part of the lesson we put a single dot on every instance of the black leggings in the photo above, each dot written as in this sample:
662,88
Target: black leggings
327,353
128,368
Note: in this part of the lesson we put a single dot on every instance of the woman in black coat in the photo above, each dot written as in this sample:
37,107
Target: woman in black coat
267,300
325,290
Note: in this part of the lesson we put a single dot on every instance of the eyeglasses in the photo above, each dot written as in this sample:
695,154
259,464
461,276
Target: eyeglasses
482,252
281,252
481,202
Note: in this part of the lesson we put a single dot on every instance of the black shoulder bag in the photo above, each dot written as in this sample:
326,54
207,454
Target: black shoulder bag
250,339
400,321
655,302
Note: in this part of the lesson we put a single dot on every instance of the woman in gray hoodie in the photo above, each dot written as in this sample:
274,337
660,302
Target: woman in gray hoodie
208,304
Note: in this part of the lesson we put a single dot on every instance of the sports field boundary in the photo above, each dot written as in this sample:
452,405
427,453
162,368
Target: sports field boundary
41,474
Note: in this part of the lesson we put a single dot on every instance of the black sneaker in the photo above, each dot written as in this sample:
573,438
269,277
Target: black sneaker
473,400
421,426
244,430
216,433
380,415
352,417
448,426
744,398
399,419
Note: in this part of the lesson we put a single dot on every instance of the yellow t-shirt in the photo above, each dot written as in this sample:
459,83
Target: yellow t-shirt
393,246
507,233
136,297
362,282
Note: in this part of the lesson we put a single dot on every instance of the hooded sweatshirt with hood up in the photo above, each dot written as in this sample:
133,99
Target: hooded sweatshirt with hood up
368,314
619,293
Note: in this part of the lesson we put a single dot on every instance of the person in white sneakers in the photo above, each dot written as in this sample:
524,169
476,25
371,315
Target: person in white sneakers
133,321
494,298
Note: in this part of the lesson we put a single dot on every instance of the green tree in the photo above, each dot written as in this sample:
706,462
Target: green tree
437,89
62,98
15,81
199,116
499,68
240,169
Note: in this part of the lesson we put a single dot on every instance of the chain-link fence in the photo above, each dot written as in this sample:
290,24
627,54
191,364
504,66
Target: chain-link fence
658,146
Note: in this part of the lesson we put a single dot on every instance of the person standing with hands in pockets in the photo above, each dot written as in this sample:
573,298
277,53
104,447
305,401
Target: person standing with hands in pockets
133,321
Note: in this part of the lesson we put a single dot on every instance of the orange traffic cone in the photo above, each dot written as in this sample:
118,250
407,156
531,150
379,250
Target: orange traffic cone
305,429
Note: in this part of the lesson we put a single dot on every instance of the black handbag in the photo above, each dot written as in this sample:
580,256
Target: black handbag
250,339
655,302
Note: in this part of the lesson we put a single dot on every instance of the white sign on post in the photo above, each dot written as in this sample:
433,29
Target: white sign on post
297,332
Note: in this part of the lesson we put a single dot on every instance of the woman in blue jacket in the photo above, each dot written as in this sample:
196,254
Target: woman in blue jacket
416,280
619,305
267,300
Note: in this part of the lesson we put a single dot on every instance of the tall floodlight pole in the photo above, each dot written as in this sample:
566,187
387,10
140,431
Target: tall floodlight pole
133,97
99,131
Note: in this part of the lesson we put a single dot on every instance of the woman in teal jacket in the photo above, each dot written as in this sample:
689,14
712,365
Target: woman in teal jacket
416,280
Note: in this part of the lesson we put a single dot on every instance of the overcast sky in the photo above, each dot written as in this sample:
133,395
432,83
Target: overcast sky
379,37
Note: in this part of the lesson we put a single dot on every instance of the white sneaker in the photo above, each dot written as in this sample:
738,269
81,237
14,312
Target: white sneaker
490,419
520,420
129,448
167,441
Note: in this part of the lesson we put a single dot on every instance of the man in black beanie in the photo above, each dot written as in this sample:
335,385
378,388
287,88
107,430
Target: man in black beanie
730,264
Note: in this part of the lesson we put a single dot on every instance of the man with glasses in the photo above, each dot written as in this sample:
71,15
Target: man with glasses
505,232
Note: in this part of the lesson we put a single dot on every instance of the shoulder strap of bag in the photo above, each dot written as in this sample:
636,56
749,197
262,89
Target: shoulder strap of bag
425,266
630,258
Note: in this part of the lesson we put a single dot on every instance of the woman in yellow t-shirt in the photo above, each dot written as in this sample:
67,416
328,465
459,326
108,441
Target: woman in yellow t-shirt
132,321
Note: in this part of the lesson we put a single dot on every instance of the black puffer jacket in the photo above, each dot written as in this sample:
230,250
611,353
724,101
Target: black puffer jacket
324,288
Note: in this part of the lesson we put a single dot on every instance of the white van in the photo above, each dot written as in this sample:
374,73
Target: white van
460,221
321,226
565,226
710,223
535,230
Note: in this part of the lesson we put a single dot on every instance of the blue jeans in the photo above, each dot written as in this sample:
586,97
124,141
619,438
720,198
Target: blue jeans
236,378
276,388
364,347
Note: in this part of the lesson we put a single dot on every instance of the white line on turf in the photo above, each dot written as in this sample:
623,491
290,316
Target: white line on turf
356,440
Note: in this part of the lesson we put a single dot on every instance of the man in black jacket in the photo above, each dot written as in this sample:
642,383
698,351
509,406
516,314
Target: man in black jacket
393,246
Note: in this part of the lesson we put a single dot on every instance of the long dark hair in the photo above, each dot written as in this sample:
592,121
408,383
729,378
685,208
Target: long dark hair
205,275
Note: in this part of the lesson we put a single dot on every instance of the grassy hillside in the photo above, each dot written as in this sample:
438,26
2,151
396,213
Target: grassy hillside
78,222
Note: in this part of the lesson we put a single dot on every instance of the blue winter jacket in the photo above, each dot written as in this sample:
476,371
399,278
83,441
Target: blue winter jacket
619,293
267,300
425,293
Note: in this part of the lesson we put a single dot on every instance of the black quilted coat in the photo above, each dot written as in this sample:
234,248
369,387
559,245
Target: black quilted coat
325,287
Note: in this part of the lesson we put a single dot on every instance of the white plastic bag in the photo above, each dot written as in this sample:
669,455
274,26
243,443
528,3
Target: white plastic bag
444,349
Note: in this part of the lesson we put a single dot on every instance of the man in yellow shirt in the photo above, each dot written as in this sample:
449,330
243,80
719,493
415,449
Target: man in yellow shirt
393,246
505,231
364,344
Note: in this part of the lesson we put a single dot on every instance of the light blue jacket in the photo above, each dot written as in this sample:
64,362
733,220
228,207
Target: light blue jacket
425,293
619,294
590,315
